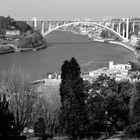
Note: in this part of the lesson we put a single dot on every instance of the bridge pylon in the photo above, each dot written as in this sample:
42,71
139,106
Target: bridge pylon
34,22
42,27
127,28
50,26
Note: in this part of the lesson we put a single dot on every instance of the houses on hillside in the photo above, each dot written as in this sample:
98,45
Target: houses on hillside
120,72
12,32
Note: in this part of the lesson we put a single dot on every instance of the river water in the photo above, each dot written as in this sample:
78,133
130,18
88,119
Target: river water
64,45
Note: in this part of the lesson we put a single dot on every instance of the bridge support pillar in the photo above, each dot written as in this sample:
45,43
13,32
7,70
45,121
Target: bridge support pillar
123,30
133,27
119,28
113,25
50,26
127,28
34,23
42,27
27,22
57,24
123,33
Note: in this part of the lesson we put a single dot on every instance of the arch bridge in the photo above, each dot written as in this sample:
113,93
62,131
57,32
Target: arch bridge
120,28
77,23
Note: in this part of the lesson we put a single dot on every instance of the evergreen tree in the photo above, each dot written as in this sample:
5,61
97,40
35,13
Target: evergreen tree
73,116
6,118
134,105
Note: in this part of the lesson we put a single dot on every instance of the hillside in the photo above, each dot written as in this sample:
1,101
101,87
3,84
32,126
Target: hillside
18,34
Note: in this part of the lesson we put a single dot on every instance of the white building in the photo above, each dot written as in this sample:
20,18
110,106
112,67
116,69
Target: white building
12,32
118,71
121,70
133,40
97,73
119,66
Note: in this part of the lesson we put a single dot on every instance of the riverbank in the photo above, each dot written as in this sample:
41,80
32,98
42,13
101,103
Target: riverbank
4,51
5,48
14,49
30,49
127,46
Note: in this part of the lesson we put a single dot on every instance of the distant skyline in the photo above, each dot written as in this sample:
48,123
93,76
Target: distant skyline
69,9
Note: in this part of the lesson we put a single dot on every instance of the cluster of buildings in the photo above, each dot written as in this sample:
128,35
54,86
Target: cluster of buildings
11,39
10,33
120,72
134,40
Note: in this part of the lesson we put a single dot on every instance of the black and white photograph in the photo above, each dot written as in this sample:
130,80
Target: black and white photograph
69,69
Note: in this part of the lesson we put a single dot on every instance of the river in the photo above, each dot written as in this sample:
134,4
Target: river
64,45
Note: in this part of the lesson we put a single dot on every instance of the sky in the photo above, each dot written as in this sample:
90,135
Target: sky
69,9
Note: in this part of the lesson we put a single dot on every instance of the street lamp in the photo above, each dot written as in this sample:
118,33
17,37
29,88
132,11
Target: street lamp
106,114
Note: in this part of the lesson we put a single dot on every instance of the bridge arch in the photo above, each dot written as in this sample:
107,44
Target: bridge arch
89,23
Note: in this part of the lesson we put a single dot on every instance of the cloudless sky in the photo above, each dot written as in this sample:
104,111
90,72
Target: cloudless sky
69,9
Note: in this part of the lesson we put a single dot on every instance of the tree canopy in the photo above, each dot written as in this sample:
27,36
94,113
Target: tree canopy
22,96
73,118
7,124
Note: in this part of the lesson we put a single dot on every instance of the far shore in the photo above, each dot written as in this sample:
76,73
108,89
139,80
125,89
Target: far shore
4,51
127,46
12,49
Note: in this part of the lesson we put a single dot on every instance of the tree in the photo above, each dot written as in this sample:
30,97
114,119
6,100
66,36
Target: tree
39,127
104,34
48,107
73,116
134,104
108,95
6,22
100,89
22,26
96,112
22,96
6,118
31,39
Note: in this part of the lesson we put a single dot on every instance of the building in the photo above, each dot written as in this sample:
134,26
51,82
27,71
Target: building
118,72
12,32
119,66
133,40
96,73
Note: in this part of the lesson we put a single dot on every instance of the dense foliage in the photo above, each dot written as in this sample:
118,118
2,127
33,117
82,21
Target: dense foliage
85,107
28,38
8,23
39,127
6,118
21,25
103,102
31,39
73,118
